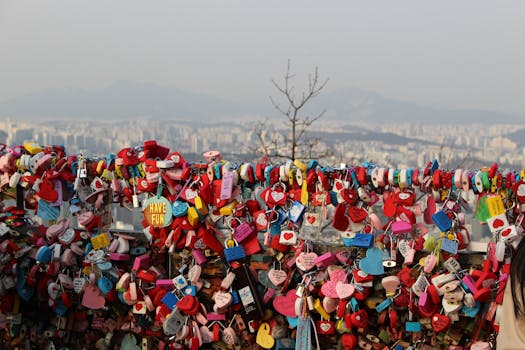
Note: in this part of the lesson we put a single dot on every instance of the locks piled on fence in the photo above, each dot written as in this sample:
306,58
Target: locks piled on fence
249,255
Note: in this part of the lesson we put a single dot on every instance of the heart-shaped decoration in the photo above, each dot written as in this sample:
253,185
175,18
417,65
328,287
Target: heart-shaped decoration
288,235
311,218
264,338
330,304
223,299
261,220
357,214
344,290
47,191
498,223
349,195
349,341
440,322
190,194
189,305
277,196
92,298
206,334
337,274
329,289
339,220
325,326
79,284
306,261
372,264
285,304
359,318
277,277
506,231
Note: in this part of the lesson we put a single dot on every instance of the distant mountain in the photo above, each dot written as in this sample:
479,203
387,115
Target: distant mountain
518,137
120,100
130,99
356,104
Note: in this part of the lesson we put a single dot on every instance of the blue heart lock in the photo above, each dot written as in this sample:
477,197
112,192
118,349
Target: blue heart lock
43,255
179,208
105,285
372,264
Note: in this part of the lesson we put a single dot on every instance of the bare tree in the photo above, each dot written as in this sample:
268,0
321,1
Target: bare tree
296,144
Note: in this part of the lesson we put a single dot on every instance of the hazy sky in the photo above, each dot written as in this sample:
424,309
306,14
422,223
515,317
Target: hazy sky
448,52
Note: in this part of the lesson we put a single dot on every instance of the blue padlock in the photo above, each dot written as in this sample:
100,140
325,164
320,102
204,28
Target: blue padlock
442,221
412,327
362,240
170,300
449,246
235,252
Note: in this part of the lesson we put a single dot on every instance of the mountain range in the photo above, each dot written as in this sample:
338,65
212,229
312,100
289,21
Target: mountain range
130,99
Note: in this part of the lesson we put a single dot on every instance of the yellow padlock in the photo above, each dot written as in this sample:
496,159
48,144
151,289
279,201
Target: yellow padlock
227,210
300,165
201,206
193,216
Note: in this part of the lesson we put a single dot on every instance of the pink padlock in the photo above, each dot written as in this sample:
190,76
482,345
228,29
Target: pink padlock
242,231
199,256
141,262
325,260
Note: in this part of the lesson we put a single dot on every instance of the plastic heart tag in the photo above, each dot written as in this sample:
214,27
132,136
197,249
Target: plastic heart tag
344,290
305,261
79,284
92,298
372,264
223,299
285,304
206,334
47,191
277,277
440,322
264,338
329,289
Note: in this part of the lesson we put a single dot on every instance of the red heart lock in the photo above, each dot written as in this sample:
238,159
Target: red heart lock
349,341
440,322
47,191
389,205
357,214
274,244
189,305
358,319
405,198
340,221
349,195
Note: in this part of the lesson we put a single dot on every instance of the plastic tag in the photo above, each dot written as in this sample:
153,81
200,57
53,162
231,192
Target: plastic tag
226,185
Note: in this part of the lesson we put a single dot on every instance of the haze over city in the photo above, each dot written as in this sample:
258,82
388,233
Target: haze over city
446,54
